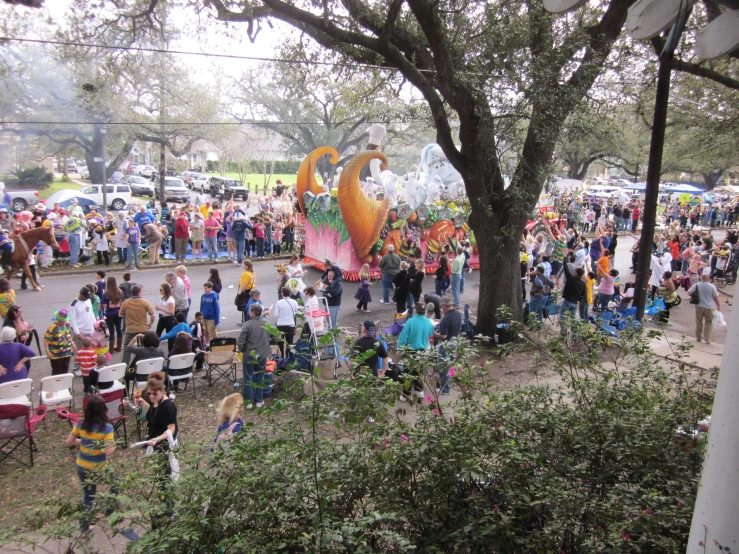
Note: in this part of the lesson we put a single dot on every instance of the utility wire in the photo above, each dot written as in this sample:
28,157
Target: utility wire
205,54
256,123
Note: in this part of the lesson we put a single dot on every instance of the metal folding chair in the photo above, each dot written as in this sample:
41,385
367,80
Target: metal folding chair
221,360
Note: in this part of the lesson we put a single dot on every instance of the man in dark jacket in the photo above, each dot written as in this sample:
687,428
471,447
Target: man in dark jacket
332,291
331,266
572,293
389,266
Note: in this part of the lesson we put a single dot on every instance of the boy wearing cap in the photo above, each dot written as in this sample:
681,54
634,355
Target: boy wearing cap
58,343
368,343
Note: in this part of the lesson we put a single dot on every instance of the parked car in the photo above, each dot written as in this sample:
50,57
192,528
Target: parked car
140,186
175,189
118,195
21,199
115,177
196,181
84,172
72,168
225,188
144,170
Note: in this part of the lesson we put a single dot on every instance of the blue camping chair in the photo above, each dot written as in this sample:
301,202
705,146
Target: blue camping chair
656,307
605,320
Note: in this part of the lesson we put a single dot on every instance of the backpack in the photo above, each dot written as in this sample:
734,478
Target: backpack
467,328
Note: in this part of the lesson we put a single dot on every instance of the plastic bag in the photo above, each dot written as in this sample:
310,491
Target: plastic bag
718,319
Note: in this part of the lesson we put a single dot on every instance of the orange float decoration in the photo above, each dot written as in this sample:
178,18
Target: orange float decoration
350,228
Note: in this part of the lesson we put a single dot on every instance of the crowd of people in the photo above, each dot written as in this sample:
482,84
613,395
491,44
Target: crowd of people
204,227
558,260
108,316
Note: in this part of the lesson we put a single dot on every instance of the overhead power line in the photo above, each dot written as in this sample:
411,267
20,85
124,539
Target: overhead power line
157,123
204,54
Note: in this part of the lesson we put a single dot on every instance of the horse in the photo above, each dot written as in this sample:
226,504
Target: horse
24,243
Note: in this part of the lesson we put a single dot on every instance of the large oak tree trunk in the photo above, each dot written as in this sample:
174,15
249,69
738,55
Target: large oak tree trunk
500,277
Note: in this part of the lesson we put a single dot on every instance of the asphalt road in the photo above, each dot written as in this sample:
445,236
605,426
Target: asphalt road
59,291
39,307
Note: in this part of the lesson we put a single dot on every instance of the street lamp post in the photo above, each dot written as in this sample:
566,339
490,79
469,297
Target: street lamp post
654,169
99,157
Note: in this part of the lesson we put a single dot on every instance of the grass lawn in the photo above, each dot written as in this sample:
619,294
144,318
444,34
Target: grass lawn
257,179
56,186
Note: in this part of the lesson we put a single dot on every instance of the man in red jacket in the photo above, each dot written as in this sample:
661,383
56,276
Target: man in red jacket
181,236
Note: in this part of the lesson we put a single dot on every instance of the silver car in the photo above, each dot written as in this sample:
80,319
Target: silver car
175,190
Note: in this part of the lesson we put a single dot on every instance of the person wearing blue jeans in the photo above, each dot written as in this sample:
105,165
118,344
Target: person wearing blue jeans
332,290
133,236
389,266
573,294
457,270
449,328
73,240
539,293
253,343
96,439
252,390
211,243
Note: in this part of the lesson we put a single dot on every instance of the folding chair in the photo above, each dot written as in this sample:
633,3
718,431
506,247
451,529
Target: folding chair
604,324
16,392
398,324
145,368
112,374
552,312
17,427
114,401
221,359
178,363
57,390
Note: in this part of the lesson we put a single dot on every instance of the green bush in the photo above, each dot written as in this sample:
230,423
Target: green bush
33,178
594,465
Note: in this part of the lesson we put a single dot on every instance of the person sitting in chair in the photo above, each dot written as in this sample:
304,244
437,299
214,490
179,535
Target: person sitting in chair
6,249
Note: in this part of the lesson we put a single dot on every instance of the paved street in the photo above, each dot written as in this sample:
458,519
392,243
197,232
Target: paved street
59,291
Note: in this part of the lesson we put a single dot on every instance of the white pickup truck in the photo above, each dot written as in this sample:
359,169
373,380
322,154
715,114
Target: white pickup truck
19,199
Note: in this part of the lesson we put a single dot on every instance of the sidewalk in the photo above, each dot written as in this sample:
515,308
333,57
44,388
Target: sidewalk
701,355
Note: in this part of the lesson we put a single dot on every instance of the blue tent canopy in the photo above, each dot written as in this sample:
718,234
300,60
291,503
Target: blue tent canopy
636,186
684,188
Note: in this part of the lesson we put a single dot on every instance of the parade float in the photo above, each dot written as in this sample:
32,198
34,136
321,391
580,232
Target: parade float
354,223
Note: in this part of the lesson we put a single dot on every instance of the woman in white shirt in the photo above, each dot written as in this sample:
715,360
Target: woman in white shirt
165,307
285,311
295,271
310,302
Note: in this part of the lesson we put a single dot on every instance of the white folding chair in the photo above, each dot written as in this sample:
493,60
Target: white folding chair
144,368
112,374
16,392
56,390
178,363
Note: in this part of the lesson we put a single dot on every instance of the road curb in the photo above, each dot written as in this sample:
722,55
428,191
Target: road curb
91,269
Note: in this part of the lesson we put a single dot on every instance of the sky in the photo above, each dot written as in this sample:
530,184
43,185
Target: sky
214,37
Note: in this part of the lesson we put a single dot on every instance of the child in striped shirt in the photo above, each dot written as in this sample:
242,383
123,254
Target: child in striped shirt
96,438
86,358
